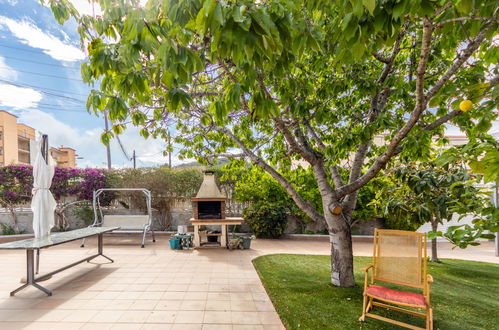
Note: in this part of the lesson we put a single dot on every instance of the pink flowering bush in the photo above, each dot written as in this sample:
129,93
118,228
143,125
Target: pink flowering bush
16,182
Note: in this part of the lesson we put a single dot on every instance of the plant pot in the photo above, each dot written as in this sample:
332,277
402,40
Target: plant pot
175,244
246,242
234,243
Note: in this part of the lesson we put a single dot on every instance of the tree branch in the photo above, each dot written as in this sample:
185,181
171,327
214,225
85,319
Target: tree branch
302,204
459,61
396,49
441,10
442,120
226,155
418,109
467,18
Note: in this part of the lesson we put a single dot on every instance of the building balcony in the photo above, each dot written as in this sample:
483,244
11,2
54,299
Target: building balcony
25,138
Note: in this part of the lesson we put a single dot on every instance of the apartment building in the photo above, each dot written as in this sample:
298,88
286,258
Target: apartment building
64,156
15,140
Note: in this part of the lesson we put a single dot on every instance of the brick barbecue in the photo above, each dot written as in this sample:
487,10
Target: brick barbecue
209,210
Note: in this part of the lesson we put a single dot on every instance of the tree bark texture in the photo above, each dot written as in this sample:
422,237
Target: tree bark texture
341,254
434,255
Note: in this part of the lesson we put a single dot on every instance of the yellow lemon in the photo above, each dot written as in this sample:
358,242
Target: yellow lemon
465,105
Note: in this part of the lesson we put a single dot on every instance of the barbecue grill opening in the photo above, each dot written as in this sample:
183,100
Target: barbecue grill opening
209,210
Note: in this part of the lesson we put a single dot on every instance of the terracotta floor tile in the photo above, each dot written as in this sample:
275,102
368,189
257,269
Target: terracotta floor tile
217,305
168,305
241,296
129,295
134,317
124,326
247,327
269,318
273,327
144,304
173,295
148,295
193,305
189,317
195,295
22,315
264,306
119,305
243,305
162,317
245,318
80,316
13,325
217,317
97,326
217,327
186,327
156,326
54,315
178,287
218,296
107,316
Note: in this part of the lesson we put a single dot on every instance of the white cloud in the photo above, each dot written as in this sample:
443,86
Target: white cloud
6,72
87,142
18,97
10,2
33,36
86,8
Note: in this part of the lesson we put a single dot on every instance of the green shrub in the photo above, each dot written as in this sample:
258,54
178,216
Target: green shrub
9,230
267,219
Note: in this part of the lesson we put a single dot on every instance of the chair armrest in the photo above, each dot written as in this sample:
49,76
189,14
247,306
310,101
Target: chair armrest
365,269
429,278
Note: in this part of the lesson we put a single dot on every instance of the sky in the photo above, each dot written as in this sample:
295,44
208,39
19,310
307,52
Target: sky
40,83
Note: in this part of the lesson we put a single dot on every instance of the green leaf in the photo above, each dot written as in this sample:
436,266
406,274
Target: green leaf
237,14
105,138
370,5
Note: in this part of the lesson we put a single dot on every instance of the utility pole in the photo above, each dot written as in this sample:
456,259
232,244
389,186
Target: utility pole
108,148
134,165
169,150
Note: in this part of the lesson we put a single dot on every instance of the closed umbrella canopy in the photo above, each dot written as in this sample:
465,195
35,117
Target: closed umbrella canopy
43,203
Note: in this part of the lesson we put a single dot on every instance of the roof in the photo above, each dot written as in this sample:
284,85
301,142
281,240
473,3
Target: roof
8,113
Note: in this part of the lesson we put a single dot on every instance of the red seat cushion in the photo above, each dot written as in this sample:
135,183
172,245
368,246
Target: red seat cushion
395,295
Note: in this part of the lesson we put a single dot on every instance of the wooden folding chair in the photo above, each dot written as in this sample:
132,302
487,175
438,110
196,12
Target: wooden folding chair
399,257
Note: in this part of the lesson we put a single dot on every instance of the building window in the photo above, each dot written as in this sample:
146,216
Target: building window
1,151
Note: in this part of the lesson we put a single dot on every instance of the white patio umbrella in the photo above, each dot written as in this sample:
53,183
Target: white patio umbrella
43,203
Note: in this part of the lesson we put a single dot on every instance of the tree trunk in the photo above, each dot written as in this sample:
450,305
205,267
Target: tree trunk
341,254
14,218
434,256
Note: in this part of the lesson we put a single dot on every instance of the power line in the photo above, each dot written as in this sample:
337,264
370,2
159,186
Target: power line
40,74
39,89
38,62
63,106
61,109
49,108
123,148
24,49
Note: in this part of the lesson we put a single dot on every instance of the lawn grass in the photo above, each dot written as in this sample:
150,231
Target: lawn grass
465,294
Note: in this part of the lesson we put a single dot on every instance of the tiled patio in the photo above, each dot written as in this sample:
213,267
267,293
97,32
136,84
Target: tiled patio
157,288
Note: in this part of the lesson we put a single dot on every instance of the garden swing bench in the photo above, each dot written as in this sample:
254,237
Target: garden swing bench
127,223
